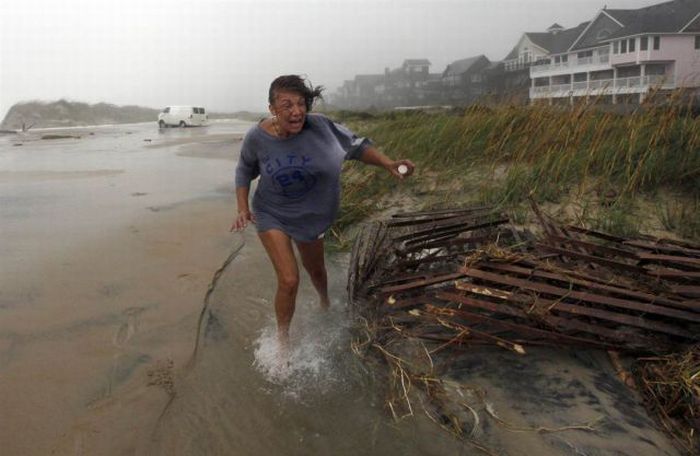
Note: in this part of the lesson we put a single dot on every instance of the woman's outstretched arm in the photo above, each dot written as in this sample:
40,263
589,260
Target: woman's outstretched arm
372,156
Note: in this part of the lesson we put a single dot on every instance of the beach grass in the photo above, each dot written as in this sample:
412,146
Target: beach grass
604,167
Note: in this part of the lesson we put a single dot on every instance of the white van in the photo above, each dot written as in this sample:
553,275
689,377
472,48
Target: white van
182,116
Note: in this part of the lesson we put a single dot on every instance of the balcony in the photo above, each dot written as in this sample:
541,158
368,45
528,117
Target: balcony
593,63
542,68
635,84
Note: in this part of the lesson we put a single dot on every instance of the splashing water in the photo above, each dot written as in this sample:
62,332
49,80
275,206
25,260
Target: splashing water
316,358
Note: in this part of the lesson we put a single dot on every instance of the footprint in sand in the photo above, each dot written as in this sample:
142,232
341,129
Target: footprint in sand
129,327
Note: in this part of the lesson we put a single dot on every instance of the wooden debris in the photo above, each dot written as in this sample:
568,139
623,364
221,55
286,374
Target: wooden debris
462,277
569,286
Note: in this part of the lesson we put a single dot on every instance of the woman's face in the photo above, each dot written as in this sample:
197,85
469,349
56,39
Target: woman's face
290,109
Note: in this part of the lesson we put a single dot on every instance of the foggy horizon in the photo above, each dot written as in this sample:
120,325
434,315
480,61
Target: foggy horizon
223,55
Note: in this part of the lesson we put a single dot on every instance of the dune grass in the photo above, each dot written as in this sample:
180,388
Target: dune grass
603,163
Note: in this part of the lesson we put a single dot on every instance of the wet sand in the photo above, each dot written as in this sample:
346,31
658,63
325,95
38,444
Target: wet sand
100,296
89,303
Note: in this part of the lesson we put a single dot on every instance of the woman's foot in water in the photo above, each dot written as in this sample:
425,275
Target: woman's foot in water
280,367
283,345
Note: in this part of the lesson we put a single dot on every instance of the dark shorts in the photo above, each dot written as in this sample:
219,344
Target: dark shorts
265,222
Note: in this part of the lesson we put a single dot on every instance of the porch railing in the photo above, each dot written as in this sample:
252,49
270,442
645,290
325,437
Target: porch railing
600,59
636,83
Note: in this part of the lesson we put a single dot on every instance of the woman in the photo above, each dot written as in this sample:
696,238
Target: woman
298,157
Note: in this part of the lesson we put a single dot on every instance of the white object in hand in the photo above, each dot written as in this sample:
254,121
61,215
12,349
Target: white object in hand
403,169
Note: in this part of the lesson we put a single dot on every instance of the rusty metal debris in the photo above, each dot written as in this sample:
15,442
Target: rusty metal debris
468,276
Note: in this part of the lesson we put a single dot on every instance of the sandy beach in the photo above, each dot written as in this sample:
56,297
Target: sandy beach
91,295
109,243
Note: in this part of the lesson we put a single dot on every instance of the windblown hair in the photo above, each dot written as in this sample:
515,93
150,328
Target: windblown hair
297,84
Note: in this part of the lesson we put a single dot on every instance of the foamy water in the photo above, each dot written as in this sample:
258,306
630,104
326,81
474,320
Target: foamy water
314,363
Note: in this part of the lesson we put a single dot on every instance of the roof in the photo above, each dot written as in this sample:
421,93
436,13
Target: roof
513,54
693,26
668,17
494,65
369,79
416,62
464,65
555,41
559,42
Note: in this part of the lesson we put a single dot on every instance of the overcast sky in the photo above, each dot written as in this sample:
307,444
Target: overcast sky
223,54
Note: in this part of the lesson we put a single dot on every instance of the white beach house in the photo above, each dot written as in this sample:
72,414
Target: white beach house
621,55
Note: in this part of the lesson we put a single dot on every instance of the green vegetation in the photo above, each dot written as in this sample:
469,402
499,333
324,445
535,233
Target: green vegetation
620,173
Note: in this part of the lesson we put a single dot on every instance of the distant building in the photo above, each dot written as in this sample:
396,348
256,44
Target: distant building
620,55
409,85
623,55
362,92
511,81
464,81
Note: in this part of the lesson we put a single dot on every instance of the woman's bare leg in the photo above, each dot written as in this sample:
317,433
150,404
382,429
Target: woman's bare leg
279,248
312,257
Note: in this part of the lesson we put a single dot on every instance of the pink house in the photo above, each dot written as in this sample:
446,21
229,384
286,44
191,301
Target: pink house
624,54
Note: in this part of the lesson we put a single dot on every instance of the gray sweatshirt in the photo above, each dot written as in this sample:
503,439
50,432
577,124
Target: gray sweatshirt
299,188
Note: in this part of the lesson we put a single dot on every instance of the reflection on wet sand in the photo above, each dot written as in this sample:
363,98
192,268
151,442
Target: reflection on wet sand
10,176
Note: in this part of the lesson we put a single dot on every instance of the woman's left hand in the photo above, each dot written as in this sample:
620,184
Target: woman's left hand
401,168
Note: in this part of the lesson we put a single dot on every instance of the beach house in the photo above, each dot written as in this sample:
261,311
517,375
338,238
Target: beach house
622,55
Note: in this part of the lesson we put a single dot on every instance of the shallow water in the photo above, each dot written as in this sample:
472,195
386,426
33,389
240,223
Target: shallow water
238,399
108,244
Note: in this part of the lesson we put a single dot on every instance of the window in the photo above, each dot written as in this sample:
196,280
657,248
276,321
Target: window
557,59
166,110
564,58
657,43
697,41
632,44
623,47
616,47
644,43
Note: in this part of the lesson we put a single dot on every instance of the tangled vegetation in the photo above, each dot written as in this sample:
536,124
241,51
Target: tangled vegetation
623,173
